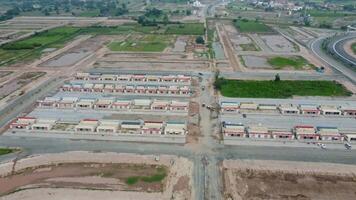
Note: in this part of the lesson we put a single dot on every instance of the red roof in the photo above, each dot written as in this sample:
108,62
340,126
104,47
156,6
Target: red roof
90,120
26,118
304,126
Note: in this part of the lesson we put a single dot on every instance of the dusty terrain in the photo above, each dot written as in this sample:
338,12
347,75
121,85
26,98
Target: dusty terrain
102,174
288,180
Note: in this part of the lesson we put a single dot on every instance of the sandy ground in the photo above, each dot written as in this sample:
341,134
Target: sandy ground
255,179
278,43
178,182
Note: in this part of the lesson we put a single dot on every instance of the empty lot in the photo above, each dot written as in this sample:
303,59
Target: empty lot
288,180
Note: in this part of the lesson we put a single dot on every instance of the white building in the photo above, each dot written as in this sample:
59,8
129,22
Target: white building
248,106
258,132
230,107
43,124
152,128
23,123
288,109
67,102
175,128
108,127
159,105
131,127
330,110
306,133
87,125
234,130
85,103
309,109
142,104
48,102
329,133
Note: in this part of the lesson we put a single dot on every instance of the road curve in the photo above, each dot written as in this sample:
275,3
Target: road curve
338,48
316,48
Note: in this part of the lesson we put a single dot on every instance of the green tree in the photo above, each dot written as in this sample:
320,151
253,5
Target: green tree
199,40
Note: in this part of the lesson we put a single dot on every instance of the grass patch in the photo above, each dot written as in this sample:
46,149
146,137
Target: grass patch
132,180
246,26
279,89
157,177
186,29
353,47
4,151
328,13
149,43
30,48
296,62
248,47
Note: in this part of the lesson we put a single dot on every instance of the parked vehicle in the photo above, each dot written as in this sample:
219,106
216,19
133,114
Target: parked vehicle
348,146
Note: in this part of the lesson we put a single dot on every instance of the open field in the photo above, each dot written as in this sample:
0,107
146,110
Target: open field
288,180
32,47
109,174
15,84
88,175
296,63
251,27
280,89
147,43
186,29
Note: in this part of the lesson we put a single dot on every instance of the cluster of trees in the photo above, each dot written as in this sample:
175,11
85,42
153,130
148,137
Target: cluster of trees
47,7
152,17
9,14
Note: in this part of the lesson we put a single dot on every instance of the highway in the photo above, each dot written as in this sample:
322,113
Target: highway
338,48
316,48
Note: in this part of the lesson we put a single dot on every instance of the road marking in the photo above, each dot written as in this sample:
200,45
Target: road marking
327,62
334,45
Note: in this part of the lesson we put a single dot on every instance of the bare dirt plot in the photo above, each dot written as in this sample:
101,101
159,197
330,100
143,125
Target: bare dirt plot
288,180
111,57
242,43
256,62
77,53
18,82
95,174
85,175
224,67
5,73
180,44
278,43
147,65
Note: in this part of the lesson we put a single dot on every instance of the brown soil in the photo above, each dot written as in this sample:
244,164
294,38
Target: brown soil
193,134
19,82
39,177
193,108
263,184
182,184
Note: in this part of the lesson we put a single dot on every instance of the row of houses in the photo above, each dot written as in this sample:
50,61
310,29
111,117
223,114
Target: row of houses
126,89
112,104
101,126
133,77
304,109
303,133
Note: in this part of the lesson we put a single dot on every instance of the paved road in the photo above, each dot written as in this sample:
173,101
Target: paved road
53,145
338,48
338,67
